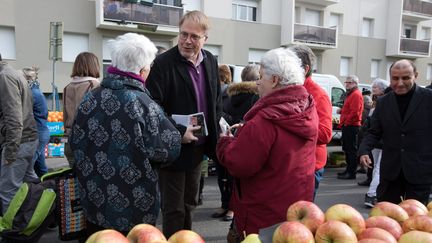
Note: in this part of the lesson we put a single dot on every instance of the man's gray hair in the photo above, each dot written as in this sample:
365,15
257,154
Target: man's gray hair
284,64
381,84
353,78
306,56
131,52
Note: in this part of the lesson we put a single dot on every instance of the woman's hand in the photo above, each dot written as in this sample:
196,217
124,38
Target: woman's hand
188,136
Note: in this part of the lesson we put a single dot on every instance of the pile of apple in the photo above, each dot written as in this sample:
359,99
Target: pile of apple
144,233
408,222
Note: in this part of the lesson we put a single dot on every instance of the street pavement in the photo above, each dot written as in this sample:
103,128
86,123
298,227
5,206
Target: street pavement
332,191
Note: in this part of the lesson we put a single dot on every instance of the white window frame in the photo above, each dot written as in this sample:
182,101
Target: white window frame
312,17
336,20
429,72
74,44
249,5
367,27
215,50
374,73
255,55
7,40
425,33
344,66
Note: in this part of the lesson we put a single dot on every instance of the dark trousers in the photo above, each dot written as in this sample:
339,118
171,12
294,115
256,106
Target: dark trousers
393,191
225,183
179,195
350,147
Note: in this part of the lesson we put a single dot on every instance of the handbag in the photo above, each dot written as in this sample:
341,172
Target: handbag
70,214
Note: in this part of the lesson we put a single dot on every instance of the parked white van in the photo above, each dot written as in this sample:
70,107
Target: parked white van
334,90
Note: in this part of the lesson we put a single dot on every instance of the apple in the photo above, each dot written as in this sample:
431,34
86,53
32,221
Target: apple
145,233
391,210
185,236
377,233
414,207
334,231
416,236
252,238
429,206
371,240
292,232
385,223
306,213
348,215
107,236
418,222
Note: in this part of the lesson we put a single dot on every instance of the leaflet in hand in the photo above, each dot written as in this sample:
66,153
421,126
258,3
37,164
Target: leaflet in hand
197,119
224,126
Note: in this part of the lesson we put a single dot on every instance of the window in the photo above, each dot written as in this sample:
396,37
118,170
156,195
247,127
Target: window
255,56
74,44
7,40
244,10
336,97
344,66
409,31
425,33
169,2
429,72
312,17
215,50
367,27
336,20
374,68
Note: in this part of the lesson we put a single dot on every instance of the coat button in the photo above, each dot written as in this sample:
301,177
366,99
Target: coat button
402,150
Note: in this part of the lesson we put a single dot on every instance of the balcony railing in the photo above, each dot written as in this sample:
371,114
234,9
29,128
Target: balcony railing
418,7
157,14
315,34
413,46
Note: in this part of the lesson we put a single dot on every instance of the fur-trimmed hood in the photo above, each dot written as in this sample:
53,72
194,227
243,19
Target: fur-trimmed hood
242,88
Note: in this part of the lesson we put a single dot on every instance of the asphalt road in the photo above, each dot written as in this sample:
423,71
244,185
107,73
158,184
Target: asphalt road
332,191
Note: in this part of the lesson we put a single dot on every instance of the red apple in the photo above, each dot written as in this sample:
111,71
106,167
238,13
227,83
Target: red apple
416,236
371,240
306,213
145,233
107,236
391,210
334,231
429,206
385,223
292,232
419,222
377,233
348,215
414,207
185,236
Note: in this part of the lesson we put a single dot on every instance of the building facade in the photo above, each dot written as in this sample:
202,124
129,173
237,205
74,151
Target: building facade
361,37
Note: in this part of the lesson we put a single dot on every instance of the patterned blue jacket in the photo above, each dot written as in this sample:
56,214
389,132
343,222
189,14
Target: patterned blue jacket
118,135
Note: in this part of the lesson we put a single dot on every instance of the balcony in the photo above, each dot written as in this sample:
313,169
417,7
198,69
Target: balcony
417,10
121,15
414,47
319,2
316,37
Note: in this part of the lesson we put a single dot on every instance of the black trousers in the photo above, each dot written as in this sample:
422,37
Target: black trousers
225,183
394,190
350,147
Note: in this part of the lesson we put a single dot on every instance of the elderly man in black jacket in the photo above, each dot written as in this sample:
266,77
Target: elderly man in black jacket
184,80
403,120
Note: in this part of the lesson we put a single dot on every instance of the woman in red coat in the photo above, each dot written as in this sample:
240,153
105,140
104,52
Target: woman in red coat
272,155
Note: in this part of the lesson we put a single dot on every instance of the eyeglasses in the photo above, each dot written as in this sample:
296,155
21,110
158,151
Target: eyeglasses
184,35
349,82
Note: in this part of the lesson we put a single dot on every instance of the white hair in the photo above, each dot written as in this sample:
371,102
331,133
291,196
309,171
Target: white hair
353,78
131,52
284,64
381,84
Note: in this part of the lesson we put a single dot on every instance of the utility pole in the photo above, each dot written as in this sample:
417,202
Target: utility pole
55,53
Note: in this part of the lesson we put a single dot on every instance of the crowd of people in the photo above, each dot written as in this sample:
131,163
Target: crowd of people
133,160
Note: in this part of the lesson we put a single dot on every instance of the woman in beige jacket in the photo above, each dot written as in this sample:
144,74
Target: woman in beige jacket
85,77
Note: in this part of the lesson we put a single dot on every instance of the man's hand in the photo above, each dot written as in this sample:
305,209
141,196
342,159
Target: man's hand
188,136
366,161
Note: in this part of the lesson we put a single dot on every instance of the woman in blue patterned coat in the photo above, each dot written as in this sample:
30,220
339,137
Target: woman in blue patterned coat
118,138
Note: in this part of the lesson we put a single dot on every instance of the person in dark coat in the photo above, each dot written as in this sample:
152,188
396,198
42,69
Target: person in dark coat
184,80
403,120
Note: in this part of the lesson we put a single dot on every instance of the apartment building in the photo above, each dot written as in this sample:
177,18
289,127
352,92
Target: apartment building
360,37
